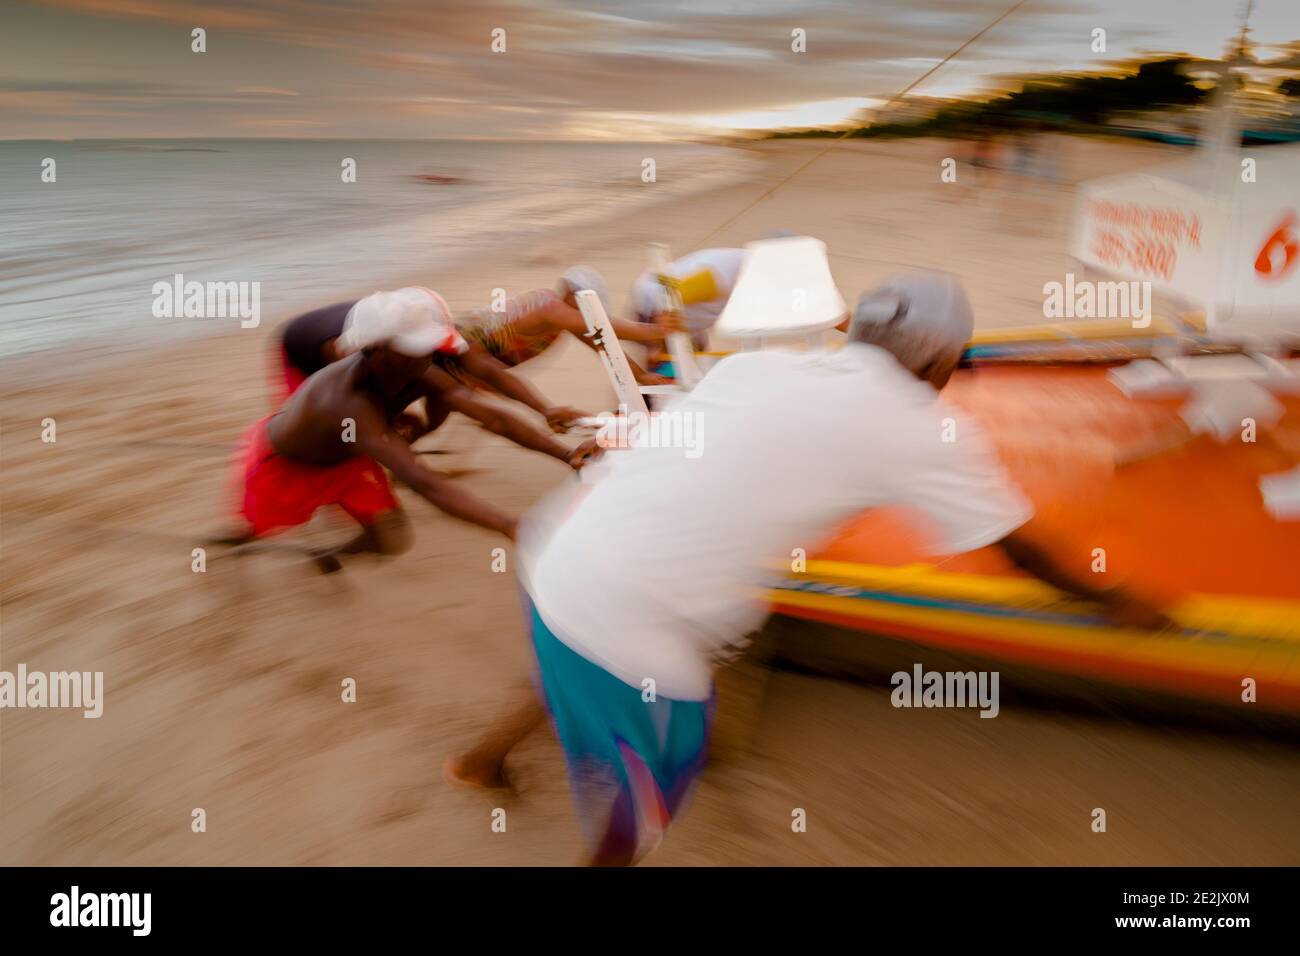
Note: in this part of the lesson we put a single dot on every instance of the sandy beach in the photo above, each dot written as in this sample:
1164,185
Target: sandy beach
223,688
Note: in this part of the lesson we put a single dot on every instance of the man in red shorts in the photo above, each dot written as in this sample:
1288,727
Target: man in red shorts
332,439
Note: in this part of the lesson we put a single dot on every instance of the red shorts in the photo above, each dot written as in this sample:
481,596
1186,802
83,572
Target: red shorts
285,377
279,493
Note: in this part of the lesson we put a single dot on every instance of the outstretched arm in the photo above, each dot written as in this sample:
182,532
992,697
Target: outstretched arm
559,315
967,493
643,331
497,375
494,373
442,386
1121,606
378,441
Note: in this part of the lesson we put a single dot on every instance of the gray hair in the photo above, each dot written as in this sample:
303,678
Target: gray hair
577,278
920,318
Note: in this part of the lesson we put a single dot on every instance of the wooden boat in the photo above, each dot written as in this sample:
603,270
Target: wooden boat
1186,523
1119,491
1186,526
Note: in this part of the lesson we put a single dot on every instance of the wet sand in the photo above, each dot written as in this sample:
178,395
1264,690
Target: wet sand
223,688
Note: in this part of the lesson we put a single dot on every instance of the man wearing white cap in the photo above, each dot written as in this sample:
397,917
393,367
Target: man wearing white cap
311,341
332,439
643,580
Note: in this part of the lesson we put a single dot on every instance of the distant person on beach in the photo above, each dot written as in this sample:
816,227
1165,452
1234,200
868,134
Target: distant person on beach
639,583
528,324
1036,158
339,429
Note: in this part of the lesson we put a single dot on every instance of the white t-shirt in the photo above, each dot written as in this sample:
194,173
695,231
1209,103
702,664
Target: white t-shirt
710,273
657,569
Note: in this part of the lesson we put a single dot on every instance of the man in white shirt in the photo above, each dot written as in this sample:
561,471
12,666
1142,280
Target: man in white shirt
640,582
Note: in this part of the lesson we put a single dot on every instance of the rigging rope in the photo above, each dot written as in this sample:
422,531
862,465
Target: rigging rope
848,132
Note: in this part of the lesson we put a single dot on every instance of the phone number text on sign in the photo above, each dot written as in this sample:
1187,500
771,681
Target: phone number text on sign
1145,239
1145,255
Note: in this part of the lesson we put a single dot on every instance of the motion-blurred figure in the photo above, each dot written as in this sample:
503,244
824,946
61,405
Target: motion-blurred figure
338,430
530,323
704,280
490,345
640,582
1037,161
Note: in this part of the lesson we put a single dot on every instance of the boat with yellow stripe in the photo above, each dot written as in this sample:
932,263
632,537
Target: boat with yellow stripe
1185,524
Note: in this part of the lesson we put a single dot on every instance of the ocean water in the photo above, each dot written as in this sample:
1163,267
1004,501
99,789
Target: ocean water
79,256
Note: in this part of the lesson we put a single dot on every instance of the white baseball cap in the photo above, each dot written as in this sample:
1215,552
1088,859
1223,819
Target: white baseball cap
414,321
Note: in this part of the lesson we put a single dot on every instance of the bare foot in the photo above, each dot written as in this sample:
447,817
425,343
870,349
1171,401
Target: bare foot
475,774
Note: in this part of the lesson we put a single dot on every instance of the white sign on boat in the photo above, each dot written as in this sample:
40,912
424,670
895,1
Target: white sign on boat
1206,233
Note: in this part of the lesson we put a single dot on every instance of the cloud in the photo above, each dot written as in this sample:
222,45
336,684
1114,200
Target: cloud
366,67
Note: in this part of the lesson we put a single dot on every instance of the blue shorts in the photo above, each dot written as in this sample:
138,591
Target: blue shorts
632,763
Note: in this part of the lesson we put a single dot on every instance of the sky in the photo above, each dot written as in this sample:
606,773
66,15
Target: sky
643,69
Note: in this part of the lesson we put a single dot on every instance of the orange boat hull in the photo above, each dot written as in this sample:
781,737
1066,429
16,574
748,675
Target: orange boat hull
1185,526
